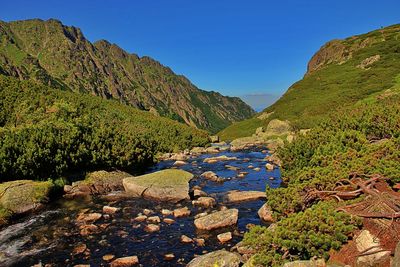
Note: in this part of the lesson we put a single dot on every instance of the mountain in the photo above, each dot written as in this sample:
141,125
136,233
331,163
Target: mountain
46,133
342,73
60,56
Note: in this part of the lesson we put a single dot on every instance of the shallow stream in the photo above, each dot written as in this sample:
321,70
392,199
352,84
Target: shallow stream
50,237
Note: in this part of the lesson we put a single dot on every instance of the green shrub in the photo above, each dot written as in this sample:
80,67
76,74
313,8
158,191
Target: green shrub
46,132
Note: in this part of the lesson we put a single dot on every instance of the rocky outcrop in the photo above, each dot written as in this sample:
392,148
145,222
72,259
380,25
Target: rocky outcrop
365,241
96,183
239,196
22,196
220,258
166,185
217,219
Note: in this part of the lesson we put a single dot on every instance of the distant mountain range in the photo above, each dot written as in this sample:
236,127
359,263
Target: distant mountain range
259,101
342,73
60,56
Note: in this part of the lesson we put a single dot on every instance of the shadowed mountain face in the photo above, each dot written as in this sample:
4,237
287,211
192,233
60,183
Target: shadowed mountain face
342,73
60,56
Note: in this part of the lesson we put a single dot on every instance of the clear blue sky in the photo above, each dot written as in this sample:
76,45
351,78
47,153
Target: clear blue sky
234,47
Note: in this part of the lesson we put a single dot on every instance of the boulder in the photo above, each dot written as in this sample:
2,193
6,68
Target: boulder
265,213
212,176
22,196
366,241
214,138
96,183
166,212
199,193
186,239
125,261
239,196
224,237
110,210
166,185
168,220
219,158
269,167
84,218
217,219
154,219
205,202
181,212
179,163
220,258
150,228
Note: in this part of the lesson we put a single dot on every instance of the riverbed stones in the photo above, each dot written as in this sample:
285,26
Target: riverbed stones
232,168
125,261
224,237
179,163
166,212
199,193
168,220
265,213
220,258
88,217
88,229
108,257
219,158
167,185
212,176
269,166
217,219
181,212
206,202
186,239
240,196
140,218
200,241
169,256
154,219
151,228
110,210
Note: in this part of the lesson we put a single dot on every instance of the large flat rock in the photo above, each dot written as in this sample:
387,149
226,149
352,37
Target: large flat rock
167,185
217,219
239,196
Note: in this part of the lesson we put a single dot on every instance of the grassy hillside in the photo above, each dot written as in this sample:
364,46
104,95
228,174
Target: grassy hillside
46,132
60,56
341,74
356,142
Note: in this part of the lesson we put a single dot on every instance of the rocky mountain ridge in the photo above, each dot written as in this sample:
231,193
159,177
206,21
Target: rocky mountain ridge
60,56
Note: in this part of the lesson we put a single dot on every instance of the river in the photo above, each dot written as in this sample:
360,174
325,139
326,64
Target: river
50,237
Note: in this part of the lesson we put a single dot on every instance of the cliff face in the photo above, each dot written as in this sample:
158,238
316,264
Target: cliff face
57,55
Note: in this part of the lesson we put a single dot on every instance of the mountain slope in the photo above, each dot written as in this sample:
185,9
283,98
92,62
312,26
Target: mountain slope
340,74
48,133
62,57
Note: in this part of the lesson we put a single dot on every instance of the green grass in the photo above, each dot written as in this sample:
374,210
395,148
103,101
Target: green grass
240,129
164,177
311,100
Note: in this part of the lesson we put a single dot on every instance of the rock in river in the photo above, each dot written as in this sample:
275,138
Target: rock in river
212,176
238,196
217,219
125,262
265,213
166,185
220,258
205,202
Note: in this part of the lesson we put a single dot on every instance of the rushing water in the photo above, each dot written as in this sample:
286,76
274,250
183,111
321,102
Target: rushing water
51,236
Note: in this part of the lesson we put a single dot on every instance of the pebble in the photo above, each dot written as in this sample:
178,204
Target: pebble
150,228
225,237
186,239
